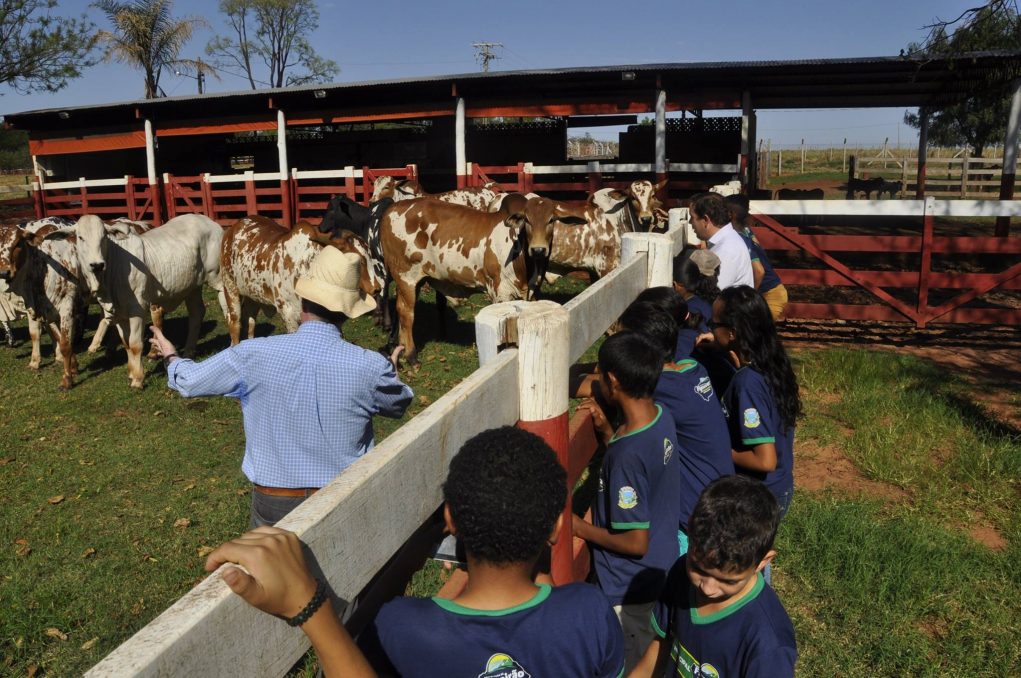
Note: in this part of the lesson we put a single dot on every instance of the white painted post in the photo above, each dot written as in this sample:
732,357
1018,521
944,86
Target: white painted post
660,248
745,170
150,153
660,132
460,157
282,144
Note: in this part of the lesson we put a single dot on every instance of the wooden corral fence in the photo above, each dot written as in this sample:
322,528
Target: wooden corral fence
573,183
961,177
128,196
313,189
913,287
369,529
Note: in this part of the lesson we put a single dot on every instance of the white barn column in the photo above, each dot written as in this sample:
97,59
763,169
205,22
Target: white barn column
460,159
1010,158
285,176
150,168
660,134
746,140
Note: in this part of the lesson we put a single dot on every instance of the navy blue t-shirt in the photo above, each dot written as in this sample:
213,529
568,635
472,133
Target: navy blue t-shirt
703,439
686,336
769,278
753,418
568,630
751,638
638,487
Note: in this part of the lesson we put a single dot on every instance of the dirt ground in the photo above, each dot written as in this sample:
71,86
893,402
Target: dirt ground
987,358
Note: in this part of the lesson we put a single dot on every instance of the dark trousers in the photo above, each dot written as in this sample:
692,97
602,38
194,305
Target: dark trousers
269,510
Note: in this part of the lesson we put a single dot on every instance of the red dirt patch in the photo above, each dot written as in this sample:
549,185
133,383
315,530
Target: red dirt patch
822,468
988,536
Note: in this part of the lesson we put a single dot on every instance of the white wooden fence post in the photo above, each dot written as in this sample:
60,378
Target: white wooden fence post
660,248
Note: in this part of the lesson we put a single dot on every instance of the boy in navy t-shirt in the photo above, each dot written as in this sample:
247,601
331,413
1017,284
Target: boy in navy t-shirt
504,495
634,517
717,616
686,392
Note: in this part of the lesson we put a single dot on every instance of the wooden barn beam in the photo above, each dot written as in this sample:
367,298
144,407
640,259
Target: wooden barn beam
1009,158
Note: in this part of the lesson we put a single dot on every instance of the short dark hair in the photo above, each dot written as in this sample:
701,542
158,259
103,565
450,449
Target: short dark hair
668,299
733,524
738,206
634,360
711,205
333,317
653,323
505,490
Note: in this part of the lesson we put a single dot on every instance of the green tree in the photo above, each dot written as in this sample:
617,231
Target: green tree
269,35
40,52
979,120
146,36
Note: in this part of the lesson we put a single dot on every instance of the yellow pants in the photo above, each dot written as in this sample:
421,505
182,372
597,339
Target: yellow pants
776,299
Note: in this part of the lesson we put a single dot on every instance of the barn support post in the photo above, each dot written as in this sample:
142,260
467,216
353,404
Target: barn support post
460,158
595,177
1009,159
923,143
541,330
39,194
744,169
251,201
150,168
661,166
129,196
285,179
925,268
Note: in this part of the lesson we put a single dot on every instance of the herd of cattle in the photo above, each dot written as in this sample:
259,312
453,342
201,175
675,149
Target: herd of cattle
461,242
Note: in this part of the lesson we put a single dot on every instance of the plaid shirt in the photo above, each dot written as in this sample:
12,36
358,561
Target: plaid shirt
307,400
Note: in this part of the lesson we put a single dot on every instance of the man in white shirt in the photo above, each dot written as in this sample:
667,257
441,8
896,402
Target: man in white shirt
708,212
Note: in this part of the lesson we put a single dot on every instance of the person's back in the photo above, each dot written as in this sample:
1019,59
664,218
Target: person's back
717,615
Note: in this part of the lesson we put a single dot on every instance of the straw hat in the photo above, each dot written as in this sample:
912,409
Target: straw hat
332,282
706,261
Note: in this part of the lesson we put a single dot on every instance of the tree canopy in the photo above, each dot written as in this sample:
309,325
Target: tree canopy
146,36
268,46
41,52
981,119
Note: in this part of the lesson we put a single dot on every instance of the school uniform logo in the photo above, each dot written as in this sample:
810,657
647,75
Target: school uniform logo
627,497
503,666
704,388
752,418
668,449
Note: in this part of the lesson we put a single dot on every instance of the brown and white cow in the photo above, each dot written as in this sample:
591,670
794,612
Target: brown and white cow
460,250
260,261
646,210
41,270
133,275
476,197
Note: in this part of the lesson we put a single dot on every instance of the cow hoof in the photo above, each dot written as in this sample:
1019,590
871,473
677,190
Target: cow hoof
34,368
65,384
137,384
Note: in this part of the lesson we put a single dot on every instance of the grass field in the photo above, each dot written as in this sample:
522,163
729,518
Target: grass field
113,497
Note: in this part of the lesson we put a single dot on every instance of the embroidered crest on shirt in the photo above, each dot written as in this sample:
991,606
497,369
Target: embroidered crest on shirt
503,666
752,418
627,497
668,449
704,388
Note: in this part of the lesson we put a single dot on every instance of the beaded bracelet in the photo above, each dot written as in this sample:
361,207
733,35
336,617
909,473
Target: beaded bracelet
318,598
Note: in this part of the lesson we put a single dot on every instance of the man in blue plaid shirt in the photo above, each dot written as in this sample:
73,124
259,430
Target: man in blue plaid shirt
308,398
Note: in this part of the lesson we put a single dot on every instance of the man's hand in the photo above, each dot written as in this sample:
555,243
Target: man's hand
277,580
395,357
161,343
599,421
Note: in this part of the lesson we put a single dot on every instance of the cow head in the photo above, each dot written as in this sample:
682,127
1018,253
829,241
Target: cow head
91,249
395,189
531,224
644,203
13,251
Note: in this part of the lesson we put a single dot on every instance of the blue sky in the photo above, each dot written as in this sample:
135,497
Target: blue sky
374,40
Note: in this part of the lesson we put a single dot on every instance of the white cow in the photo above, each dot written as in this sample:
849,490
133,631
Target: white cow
131,274
476,197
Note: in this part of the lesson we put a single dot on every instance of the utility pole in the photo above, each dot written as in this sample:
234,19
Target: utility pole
484,53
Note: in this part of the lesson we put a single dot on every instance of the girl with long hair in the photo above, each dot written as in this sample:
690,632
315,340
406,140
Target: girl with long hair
762,401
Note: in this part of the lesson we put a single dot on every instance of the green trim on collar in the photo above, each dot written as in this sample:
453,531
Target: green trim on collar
655,626
451,606
696,618
758,441
682,366
629,526
659,414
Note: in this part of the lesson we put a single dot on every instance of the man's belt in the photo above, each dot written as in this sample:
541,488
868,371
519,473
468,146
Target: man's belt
286,491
